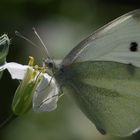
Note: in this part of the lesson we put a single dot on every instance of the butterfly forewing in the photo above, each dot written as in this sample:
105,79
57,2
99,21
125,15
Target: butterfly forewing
113,42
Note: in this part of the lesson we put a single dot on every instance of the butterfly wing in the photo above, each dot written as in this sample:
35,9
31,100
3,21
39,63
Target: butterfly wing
117,41
103,75
108,93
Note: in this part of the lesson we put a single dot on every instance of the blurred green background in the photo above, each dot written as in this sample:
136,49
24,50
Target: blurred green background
61,24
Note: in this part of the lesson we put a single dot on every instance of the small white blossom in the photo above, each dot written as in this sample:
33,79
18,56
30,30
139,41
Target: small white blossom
46,93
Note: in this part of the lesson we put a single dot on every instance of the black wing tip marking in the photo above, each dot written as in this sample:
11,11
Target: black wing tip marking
135,14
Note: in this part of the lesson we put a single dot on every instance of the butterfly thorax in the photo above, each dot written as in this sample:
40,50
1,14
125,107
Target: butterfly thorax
63,75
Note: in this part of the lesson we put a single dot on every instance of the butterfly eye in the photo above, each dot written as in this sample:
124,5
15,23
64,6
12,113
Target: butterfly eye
50,64
133,46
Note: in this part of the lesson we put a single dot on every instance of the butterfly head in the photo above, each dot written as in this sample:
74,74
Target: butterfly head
49,63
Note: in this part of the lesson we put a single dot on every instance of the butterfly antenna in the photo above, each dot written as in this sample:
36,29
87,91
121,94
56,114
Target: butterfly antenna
29,41
41,41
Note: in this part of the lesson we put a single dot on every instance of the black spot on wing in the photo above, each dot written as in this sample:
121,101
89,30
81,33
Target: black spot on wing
133,46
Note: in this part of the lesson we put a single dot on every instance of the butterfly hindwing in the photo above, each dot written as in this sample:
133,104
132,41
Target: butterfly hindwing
108,93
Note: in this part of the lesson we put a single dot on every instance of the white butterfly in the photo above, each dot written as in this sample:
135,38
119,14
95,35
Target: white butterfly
102,73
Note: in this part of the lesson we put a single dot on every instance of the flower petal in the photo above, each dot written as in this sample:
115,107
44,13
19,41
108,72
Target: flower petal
46,95
16,70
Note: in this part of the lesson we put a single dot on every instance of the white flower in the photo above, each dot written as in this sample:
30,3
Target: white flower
46,91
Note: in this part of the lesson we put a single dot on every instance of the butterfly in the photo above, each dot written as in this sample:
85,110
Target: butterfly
102,73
